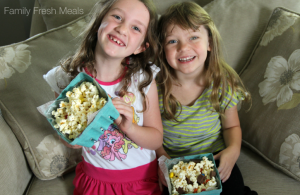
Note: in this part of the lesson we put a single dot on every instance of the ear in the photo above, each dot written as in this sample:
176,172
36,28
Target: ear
141,48
209,43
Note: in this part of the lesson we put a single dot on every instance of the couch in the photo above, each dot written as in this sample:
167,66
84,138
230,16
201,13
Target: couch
261,42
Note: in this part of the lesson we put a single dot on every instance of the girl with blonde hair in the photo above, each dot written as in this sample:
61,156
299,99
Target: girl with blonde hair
198,93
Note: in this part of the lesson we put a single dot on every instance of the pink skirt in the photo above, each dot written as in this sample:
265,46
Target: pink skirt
141,180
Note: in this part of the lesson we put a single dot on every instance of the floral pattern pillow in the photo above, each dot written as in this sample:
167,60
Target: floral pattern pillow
272,75
14,58
23,89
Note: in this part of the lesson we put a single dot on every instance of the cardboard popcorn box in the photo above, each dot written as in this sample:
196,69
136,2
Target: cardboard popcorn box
98,121
167,164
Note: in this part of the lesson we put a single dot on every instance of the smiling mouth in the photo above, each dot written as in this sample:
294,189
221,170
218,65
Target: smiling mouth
188,59
117,41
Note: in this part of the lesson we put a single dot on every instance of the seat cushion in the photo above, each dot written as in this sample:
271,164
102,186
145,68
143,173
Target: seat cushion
14,172
59,186
263,178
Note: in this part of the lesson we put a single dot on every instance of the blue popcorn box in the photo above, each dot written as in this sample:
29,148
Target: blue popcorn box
103,119
169,163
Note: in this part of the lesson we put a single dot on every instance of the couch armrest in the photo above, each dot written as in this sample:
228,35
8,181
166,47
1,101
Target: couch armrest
15,174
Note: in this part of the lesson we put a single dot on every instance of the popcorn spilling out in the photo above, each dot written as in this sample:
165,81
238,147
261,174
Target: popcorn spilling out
71,116
193,177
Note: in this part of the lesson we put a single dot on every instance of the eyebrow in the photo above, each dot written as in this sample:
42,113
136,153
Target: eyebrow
139,22
170,34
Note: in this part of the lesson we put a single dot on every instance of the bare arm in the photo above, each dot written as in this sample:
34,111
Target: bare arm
161,151
150,135
233,138
232,130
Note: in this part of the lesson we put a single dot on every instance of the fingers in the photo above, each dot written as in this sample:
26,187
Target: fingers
118,120
162,177
69,145
76,146
217,156
224,171
226,177
72,146
160,186
159,180
122,107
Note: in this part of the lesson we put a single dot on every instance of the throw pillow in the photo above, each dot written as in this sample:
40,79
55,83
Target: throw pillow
23,89
241,23
272,75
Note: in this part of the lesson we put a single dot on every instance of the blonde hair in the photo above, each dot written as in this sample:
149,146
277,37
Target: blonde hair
189,15
85,54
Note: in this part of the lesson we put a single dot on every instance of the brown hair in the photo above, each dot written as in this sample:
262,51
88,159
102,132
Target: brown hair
189,15
85,54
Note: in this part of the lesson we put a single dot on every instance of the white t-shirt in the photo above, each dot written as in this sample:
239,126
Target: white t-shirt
113,150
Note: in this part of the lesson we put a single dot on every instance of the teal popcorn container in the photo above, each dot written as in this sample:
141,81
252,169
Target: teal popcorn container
169,163
103,119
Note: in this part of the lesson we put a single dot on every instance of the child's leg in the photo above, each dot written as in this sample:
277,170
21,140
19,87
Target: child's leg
235,183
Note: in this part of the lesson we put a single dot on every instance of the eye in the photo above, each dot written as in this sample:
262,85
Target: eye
136,28
117,17
112,141
193,38
171,42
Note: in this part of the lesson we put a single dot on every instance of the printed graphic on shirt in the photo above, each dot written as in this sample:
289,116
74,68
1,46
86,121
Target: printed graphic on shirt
114,144
129,98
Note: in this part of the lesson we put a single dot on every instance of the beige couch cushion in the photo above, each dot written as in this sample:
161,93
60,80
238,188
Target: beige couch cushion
59,186
37,23
272,75
14,172
22,89
241,23
62,12
57,16
263,178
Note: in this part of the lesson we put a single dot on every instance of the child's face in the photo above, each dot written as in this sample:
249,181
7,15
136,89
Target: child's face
123,29
186,50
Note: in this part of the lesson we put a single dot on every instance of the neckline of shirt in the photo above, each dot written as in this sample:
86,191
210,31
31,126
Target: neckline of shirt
107,83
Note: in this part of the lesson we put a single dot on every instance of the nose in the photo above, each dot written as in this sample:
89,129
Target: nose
121,28
183,46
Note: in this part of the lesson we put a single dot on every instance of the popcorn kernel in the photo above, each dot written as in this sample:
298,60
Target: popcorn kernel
71,116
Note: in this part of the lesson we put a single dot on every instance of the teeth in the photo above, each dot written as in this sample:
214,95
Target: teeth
186,59
117,41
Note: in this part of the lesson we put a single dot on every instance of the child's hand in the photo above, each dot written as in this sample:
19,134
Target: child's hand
124,121
162,179
228,158
69,145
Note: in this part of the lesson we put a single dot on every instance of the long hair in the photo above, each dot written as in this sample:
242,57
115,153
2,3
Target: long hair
189,15
85,54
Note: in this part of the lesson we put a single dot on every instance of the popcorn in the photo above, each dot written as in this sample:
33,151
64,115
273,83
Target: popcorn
71,117
193,177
